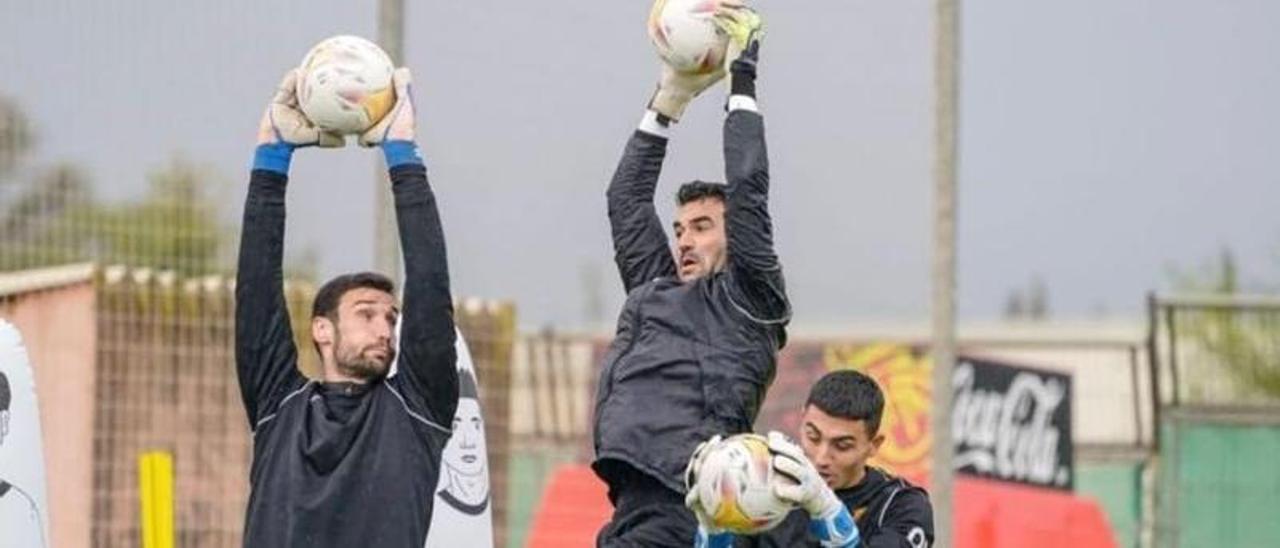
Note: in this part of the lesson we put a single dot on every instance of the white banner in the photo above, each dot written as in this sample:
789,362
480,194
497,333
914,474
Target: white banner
23,509
462,515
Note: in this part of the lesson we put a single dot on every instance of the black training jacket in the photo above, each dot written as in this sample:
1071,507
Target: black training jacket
689,360
890,512
341,464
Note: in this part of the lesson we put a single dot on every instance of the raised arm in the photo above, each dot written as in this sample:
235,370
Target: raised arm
266,358
640,245
754,273
428,358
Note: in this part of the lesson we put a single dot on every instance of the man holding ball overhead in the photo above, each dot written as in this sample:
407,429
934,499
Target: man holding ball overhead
351,459
698,336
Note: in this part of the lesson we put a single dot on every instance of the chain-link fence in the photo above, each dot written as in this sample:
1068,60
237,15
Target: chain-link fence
1216,350
1217,364
160,375
53,217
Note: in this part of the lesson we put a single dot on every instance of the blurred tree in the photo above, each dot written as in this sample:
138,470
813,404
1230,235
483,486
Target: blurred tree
37,208
1013,307
45,222
1038,299
591,280
302,265
1029,303
15,137
53,218
1246,342
175,226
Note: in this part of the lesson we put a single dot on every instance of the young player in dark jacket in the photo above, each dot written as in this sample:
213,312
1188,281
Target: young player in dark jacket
841,501
696,341
351,459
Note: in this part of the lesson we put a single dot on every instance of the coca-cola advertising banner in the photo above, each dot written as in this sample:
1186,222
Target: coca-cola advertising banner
1012,423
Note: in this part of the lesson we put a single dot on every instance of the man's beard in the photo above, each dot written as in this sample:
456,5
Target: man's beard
356,365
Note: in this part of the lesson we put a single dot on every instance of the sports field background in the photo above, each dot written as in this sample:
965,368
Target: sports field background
1109,150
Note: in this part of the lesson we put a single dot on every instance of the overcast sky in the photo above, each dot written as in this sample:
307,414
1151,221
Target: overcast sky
1101,140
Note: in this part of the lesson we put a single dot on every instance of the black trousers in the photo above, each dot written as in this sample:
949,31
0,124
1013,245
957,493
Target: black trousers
646,514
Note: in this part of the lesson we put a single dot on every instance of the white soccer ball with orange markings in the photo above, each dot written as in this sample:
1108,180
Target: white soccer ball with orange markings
685,34
734,484
345,84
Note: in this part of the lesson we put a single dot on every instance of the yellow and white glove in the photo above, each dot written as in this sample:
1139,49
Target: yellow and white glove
691,472
742,25
400,124
798,482
708,536
284,124
676,89
745,28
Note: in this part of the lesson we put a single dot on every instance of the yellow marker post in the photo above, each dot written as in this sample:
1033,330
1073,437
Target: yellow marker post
155,487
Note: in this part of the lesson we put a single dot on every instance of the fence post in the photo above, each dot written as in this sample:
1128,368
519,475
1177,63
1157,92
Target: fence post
1153,358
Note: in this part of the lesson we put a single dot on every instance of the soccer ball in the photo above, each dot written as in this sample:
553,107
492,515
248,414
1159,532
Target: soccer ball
735,486
685,35
345,84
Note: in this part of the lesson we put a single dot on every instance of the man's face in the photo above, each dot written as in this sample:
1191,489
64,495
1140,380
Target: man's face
363,339
839,448
700,240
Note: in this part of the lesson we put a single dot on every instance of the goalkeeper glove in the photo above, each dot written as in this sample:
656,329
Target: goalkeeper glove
798,482
284,124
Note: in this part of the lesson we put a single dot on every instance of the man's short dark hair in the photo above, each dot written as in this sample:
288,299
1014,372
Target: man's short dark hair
6,395
330,294
693,191
849,395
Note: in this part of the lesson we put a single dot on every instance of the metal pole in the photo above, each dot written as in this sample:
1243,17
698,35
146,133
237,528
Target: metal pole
1150,518
1137,396
1175,385
946,81
1153,359
386,248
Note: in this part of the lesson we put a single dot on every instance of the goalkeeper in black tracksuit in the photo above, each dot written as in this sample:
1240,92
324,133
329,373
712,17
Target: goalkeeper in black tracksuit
841,501
351,459
697,339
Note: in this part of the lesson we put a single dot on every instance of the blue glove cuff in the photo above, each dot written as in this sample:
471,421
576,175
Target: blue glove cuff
707,540
399,153
837,530
273,157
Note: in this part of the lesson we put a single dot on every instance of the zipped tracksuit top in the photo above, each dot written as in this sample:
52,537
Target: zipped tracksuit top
689,360
344,464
